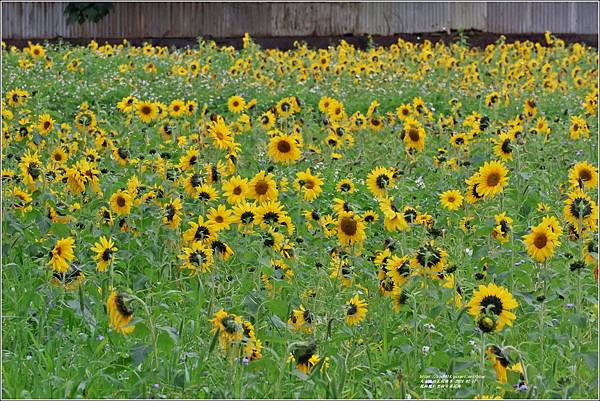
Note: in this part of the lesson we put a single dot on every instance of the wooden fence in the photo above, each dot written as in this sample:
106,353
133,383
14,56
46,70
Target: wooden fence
188,20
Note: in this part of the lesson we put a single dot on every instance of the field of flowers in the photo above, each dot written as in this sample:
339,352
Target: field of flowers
416,221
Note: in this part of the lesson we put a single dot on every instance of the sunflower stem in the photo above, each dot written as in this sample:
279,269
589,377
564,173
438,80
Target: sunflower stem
482,365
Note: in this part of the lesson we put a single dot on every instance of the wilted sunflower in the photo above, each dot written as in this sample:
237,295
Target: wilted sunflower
263,187
120,202
398,269
197,258
584,176
394,219
62,254
492,178
350,229
70,280
451,200
119,313
305,357
309,184
283,149
379,180
493,301
105,250
541,242
356,310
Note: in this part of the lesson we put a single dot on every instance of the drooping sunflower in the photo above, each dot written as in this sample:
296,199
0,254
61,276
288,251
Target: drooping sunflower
541,242
71,280
105,249
172,213
472,194
398,269
306,357
283,149
356,310
495,302
583,175
492,178
379,180
197,258
120,202
503,228
119,313
430,257
581,211
350,229
221,249
309,184
503,147
451,200
263,187
394,219
61,254
146,111
301,320
191,184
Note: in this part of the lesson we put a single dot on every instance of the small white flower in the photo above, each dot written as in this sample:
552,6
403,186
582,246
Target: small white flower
419,181
425,349
469,251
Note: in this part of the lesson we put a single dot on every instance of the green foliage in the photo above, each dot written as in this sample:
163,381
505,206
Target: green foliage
81,12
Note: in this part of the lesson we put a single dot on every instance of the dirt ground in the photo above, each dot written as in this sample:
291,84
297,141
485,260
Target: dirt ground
474,38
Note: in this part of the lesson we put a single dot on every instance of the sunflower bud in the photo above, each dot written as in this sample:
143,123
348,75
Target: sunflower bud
486,323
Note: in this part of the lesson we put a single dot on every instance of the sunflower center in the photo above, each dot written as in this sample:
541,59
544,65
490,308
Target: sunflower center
382,181
262,186
345,187
352,309
57,157
284,146
237,191
506,146
493,179
540,240
201,233
492,303
120,201
585,175
106,254
46,124
146,110
309,184
247,217
413,134
348,226
451,199
219,219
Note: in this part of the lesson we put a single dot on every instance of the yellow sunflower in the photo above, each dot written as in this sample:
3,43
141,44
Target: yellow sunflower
541,242
263,187
492,179
105,250
120,202
583,175
495,302
236,189
350,229
62,254
236,104
356,310
120,315
146,111
309,184
379,180
283,149
451,200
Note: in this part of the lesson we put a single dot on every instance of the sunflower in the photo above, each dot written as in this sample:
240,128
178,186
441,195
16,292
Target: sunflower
244,215
221,218
31,169
120,315
177,108
430,257
220,134
121,155
263,187
369,216
394,219
62,254
58,156
172,213
221,249
146,111
190,159
305,357
581,211
356,311
283,149
503,227
503,148
579,127
45,124
270,214
472,194
120,202
228,326
492,178
236,104
267,120
309,184
451,200
301,320
202,230
345,185
495,302
584,176
350,229
206,193
414,135
459,140
379,180
398,269
198,257
235,189
191,184
105,250
404,111
541,242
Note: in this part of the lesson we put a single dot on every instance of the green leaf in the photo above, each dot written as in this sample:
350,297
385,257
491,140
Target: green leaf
139,353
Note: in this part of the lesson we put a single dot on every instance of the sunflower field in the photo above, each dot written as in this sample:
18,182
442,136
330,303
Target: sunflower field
411,221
